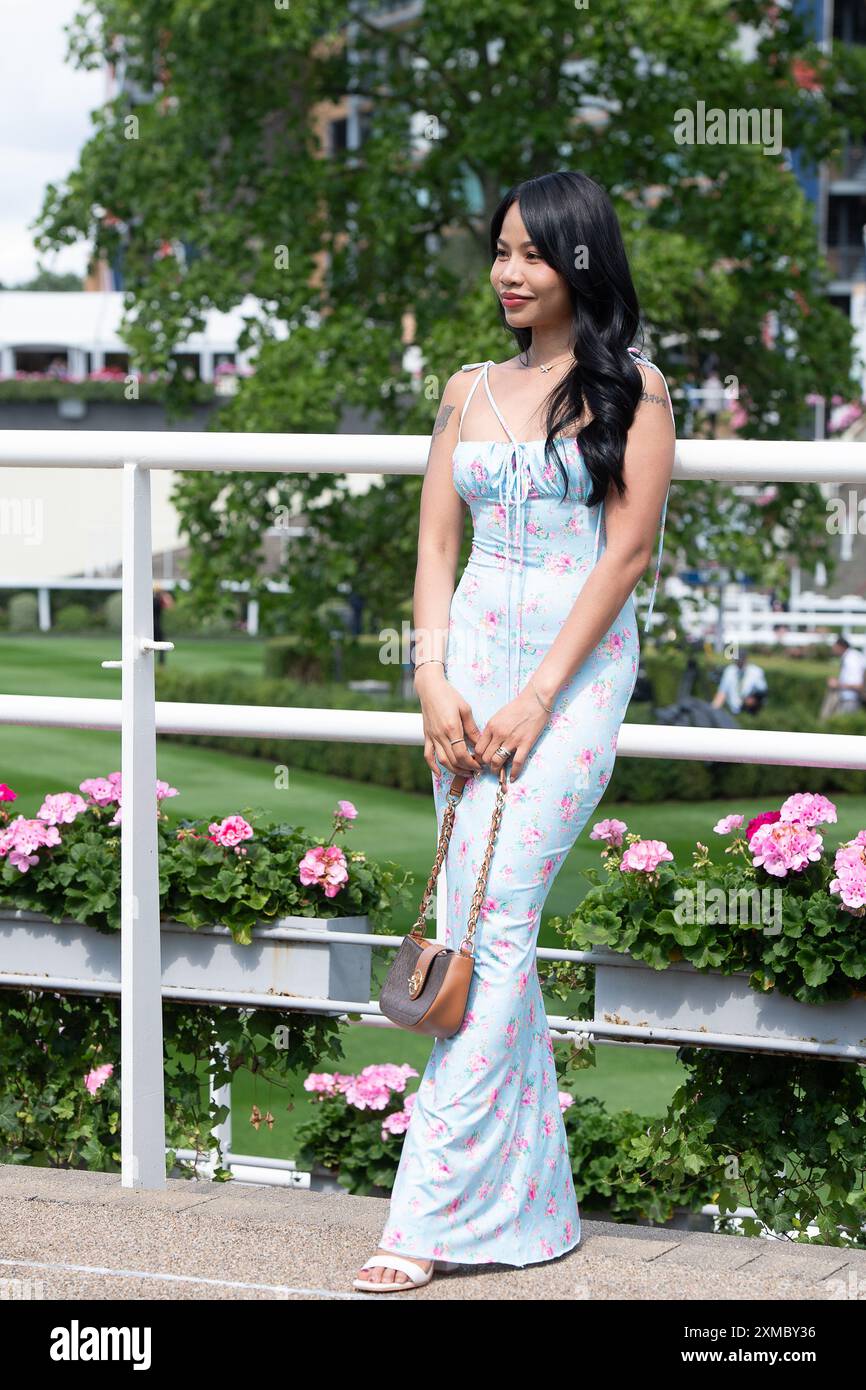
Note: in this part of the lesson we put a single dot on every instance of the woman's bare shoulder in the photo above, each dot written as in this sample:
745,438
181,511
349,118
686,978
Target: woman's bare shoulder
453,397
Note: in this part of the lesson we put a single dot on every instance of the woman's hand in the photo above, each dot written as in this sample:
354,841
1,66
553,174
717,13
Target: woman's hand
448,723
516,726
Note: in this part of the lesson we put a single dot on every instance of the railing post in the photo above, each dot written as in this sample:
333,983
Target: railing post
142,1113
222,1095
43,600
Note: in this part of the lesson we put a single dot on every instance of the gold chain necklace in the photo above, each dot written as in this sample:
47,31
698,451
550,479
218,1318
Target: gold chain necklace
546,367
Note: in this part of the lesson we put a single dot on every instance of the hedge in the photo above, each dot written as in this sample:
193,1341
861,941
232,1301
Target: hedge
633,779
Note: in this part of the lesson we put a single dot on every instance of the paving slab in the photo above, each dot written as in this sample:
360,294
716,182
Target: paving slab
81,1236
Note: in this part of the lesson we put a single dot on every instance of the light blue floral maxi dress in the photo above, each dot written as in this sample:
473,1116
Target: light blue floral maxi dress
484,1174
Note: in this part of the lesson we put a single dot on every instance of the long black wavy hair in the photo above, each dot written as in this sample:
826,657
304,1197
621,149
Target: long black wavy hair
563,213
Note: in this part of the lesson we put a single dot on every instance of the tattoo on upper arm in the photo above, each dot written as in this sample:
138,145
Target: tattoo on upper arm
442,418
650,396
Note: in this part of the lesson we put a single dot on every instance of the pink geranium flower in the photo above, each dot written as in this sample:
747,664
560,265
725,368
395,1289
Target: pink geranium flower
396,1123
395,1076
347,810
727,824
809,808
103,791
97,1077
324,865
765,818
850,866
106,791
784,846
644,856
62,808
326,1083
322,1082
369,1090
6,793
21,838
610,831
230,832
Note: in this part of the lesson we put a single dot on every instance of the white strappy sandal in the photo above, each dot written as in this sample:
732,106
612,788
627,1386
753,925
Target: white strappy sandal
417,1276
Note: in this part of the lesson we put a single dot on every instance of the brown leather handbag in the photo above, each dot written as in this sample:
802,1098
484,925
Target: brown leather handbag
427,985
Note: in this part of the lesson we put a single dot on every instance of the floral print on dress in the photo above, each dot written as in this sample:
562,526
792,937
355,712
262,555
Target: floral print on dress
485,1173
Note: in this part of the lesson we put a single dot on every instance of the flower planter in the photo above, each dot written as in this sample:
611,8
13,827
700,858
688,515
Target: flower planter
683,1219
324,1179
31,944
683,998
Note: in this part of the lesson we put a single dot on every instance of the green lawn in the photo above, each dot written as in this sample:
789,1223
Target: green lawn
51,664
390,825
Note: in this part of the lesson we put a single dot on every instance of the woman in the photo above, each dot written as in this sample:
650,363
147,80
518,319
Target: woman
531,660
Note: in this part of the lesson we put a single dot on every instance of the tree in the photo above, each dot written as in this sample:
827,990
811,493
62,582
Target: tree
45,279
213,144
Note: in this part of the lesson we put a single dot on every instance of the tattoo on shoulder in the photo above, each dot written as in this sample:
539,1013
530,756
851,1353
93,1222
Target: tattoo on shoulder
442,418
650,396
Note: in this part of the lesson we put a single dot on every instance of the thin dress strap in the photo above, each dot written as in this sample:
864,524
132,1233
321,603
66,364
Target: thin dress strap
485,374
467,367
514,483
486,366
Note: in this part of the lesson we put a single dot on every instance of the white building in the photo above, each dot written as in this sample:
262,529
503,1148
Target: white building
60,522
81,327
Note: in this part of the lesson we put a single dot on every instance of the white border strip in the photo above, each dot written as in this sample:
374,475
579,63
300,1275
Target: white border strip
182,1278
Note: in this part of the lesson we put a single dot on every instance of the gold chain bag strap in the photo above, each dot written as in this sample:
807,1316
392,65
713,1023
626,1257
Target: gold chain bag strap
427,986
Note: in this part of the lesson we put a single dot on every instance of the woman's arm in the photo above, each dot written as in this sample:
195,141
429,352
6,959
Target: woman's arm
631,524
440,532
448,718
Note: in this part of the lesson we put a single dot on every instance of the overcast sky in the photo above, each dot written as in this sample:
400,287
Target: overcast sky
45,106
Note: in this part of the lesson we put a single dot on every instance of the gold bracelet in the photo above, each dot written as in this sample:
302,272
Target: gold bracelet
549,708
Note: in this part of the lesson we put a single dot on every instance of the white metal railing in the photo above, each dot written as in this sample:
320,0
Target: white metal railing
43,588
139,717
747,619
746,614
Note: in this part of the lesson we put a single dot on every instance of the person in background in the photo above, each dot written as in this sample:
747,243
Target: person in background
712,399
692,395
407,683
743,686
161,599
844,690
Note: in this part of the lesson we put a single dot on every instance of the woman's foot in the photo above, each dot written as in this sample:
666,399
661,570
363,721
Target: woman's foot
380,1275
